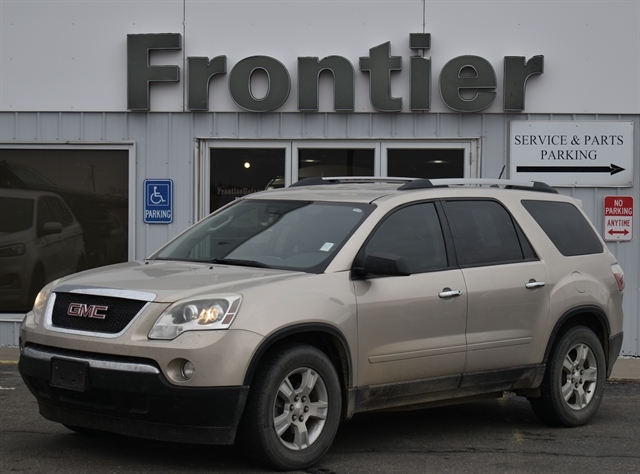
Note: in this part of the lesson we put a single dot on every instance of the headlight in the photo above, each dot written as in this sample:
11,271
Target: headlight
196,315
40,305
12,250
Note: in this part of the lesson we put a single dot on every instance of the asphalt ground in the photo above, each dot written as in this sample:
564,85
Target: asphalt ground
492,436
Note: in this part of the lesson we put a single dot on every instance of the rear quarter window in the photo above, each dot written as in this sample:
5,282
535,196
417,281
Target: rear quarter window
565,225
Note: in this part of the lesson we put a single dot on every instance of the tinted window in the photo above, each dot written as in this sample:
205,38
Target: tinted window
565,225
414,233
484,233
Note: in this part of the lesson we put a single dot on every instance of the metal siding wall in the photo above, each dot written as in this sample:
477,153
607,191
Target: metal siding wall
165,148
9,330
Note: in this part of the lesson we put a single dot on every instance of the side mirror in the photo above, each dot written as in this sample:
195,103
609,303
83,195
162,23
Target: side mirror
384,264
50,228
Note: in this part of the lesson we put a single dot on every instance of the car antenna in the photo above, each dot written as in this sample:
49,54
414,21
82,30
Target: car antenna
503,167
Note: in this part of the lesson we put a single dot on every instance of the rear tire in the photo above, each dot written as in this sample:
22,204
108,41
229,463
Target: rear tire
574,381
293,410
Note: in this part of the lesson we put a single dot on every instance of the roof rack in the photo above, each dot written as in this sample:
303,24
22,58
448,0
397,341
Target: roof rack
317,180
422,183
494,183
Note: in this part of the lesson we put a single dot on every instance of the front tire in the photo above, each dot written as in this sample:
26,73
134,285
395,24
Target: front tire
293,410
574,381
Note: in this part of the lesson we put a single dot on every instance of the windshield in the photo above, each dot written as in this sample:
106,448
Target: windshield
296,235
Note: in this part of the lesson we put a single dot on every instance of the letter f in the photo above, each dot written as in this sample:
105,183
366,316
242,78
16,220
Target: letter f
140,74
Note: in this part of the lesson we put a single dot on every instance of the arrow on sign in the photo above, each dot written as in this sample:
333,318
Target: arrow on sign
623,232
612,169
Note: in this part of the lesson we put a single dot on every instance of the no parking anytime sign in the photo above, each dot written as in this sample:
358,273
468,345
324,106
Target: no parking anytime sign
618,218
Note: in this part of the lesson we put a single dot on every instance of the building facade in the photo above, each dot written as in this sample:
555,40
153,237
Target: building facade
145,116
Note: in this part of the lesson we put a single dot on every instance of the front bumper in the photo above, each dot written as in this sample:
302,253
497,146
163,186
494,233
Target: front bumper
128,396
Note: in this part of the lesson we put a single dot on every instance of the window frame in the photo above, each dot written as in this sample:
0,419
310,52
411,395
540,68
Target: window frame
452,262
202,168
129,146
523,240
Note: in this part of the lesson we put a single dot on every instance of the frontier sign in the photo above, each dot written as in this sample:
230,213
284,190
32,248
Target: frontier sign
467,83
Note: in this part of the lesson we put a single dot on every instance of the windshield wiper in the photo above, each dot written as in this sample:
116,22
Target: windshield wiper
238,261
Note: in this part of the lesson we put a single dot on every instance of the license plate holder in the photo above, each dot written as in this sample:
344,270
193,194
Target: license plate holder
69,374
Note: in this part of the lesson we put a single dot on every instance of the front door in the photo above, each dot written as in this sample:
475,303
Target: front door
411,327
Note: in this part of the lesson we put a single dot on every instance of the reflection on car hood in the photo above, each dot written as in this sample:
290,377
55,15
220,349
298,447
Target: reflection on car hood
172,281
20,237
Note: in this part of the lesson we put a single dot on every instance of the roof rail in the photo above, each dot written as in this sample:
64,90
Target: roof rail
317,180
422,183
495,183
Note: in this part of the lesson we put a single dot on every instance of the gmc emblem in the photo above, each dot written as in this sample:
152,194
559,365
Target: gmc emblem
87,310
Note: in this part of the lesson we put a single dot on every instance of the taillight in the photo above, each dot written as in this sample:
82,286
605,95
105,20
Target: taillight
619,274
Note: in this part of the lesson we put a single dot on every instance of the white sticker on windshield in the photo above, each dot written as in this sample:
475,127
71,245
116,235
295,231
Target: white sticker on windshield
326,247
355,209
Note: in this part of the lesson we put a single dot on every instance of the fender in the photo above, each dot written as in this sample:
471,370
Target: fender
314,328
573,312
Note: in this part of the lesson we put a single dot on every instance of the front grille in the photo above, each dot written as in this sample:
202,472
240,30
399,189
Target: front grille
84,312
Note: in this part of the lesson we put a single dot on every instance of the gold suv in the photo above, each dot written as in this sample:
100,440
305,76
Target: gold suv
289,310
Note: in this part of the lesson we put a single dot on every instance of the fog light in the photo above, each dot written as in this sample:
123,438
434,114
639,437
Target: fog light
187,369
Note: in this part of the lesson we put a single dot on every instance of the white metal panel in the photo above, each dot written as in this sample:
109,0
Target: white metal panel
10,329
71,56
591,49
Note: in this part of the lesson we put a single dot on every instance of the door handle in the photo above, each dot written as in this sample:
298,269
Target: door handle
449,293
532,285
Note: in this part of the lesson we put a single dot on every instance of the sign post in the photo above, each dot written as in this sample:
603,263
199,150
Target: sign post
158,201
618,218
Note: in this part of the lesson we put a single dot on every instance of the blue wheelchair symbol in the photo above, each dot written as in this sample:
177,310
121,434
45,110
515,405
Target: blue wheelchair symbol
156,198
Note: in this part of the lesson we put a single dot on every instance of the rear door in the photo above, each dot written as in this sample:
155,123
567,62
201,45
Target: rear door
508,295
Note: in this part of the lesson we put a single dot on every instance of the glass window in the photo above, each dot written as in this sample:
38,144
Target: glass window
430,163
16,214
236,172
59,212
412,232
565,226
484,233
40,185
297,235
44,213
321,162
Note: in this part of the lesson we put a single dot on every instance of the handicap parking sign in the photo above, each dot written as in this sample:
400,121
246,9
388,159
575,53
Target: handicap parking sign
158,201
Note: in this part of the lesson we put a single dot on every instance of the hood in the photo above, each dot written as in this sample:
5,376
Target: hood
20,237
172,281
